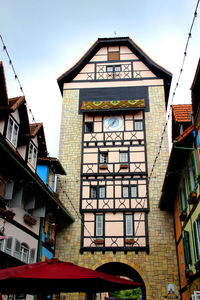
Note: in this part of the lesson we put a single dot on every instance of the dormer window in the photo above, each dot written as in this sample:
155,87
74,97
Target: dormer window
32,155
12,131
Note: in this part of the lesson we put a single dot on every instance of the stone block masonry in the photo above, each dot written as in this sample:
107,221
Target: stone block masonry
157,268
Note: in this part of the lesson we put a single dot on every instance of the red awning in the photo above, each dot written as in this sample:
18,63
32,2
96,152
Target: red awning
54,276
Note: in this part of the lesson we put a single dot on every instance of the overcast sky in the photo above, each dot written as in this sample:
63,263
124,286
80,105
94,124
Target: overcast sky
45,38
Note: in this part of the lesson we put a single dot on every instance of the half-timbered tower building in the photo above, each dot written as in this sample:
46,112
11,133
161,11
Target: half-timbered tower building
114,111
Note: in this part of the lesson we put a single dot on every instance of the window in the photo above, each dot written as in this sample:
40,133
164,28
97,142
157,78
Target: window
24,253
32,256
88,127
196,227
113,71
123,157
93,192
129,225
12,131
8,245
187,250
183,197
192,176
32,155
103,157
99,225
125,192
138,125
102,192
114,55
133,191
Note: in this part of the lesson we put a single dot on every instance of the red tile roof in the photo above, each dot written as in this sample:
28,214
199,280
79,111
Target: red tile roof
34,128
15,102
182,112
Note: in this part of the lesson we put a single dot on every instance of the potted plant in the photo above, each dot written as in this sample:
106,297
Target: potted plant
183,215
10,214
49,241
28,219
188,273
192,197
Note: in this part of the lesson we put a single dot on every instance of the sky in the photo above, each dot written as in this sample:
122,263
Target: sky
45,38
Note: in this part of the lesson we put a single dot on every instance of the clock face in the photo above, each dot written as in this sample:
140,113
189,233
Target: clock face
113,123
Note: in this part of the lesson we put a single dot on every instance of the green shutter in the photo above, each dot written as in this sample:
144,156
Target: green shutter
185,195
185,252
194,171
196,239
180,200
189,179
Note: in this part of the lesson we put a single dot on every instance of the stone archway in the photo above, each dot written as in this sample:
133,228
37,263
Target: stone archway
121,269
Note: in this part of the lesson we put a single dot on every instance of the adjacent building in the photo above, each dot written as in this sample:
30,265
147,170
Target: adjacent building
27,204
114,112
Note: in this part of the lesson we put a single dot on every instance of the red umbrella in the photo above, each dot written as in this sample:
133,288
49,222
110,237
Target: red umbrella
54,276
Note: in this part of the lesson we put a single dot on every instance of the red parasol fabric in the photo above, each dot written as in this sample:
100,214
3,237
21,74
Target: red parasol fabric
54,276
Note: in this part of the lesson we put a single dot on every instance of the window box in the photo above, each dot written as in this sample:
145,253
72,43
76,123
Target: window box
49,241
103,166
129,241
123,166
29,220
197,265
99,241
192,197
188,273
183,215
6,213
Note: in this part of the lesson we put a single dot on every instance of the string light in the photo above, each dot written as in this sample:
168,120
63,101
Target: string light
16,76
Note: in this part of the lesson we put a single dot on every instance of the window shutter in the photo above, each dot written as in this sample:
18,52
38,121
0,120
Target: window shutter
194,172
17,249
187,252
181,200
189,179
32,256
196,238
185,195
8,246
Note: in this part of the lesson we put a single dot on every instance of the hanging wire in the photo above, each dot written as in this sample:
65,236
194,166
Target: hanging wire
16,76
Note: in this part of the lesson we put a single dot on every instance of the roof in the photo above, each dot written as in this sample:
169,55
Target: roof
54,164
14,103
182,112
123,41
34,128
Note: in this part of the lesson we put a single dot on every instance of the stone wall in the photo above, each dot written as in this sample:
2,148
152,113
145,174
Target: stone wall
157,268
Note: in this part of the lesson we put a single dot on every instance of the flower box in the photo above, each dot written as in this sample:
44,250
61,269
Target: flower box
103,166
6,213
99,241
129,241
192,197
188,273
183,215
123,166
29,220
49,241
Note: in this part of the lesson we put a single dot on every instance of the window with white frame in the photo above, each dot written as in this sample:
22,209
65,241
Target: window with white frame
24,253
133,191
129,225
123,157
99,225
12,131
93,192
125,191
102,192
196,226
103,157
138,125
32,155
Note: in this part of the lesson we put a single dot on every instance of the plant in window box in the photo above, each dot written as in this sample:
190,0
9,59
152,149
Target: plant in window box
103,166
129,241
188,273
99,241
123,165
192,197
28,219
10,214
183,215
2,212
49,241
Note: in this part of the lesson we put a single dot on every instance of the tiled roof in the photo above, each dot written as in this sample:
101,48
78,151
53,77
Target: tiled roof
34,128
15,102
182,112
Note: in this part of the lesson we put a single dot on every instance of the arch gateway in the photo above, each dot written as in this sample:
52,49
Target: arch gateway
113,113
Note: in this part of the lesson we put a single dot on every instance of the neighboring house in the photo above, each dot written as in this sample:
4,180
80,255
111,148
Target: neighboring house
181,192
25,200
47,169
114,111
